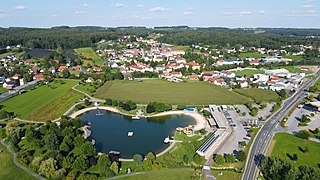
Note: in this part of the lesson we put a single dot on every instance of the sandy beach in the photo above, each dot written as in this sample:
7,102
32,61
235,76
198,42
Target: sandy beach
200,120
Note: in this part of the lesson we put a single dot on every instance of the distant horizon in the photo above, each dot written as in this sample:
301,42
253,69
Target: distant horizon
115,13
152,27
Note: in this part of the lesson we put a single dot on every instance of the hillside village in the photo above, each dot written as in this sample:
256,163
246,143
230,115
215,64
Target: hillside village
132,57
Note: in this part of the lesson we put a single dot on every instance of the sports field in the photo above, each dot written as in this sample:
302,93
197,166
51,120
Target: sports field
8,170
256,94
248,72
289,144
90,56
44,103
188,93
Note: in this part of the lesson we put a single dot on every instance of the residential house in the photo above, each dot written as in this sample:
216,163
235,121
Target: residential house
193,64
38,77
194,77
62,68
217,81
90,80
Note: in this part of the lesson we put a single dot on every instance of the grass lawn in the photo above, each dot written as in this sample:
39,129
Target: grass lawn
162,175
251,54
90,55
258,94
294,57
2,90
248,72
5,54
85,88
189,93
44,103
226,175
289,144
8,170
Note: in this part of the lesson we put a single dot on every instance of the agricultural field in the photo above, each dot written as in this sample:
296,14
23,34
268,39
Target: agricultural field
251,54
8,170
187,93
162,175
44,103
90,56
248,72
256,94
286,145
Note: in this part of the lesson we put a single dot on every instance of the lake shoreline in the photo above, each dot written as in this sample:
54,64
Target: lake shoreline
199,119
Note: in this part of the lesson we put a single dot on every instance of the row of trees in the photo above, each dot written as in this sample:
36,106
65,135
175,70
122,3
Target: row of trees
230,158
276,168
57,152
127,105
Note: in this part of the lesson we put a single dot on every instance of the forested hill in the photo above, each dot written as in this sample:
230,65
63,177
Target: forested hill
53,38
66,37
225,39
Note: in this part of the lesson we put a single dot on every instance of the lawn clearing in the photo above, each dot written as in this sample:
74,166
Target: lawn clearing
289,144
248,72
297,58
8,170
251,54
162,175
89,54
226,175
256,94
180,48
188,93
85,88
2,90
56,101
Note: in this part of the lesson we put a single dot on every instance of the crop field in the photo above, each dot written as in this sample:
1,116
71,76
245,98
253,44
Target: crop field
287,144
40,53
256,94
248,72
43,103
90,57
188,93
8,170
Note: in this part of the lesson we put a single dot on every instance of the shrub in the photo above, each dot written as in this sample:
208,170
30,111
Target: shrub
150,109
137,158
219,159
304,134
115,103
126,107
241,156
79,106
181,107
109,102
230,158
132,104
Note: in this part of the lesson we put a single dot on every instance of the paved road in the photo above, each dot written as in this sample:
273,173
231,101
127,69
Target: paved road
18,164
266,133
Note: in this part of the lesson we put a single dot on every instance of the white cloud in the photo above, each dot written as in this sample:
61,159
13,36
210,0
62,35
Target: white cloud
308,6
85,5
55,15
188,13
190,8
141,5
262,12
244,13
20,7
80,12
158,9
118,5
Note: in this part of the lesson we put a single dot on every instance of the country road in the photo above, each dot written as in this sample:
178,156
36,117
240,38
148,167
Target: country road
265,135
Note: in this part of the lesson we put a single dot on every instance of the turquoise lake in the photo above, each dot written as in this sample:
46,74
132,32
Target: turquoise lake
110,132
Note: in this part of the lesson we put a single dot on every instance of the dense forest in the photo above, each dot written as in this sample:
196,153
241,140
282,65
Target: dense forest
225,39
66,37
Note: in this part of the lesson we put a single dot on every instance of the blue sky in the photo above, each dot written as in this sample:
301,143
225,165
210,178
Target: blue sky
200,13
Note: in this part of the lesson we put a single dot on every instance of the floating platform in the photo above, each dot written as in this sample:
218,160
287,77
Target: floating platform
130,133
136,117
